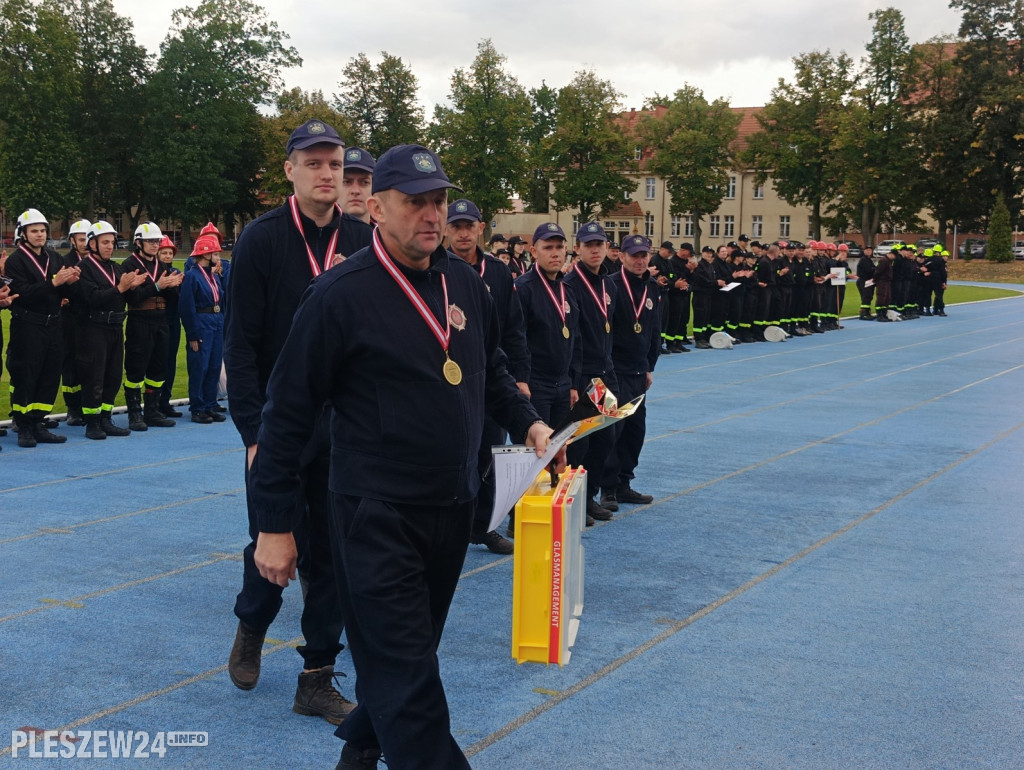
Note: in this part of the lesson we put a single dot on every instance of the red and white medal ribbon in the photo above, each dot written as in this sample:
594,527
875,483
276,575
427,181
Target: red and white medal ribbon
42,270
314,266
110,278
602,306
212,283
625,282
443,335
560,308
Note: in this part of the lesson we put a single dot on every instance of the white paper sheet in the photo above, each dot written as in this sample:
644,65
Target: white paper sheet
515,469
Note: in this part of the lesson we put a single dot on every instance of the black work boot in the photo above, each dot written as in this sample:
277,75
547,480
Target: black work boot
109,428
316,697
73,401
26,433
357,759
43,435
495,542
626,494
609,500
246,654
93,429
151,413
133,398
596,511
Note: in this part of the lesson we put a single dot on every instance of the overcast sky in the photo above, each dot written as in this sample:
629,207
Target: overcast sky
736,49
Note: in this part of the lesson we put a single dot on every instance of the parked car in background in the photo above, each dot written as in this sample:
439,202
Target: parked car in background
885,247
977,248
58,244
1018,250
854,251
927,243
227,244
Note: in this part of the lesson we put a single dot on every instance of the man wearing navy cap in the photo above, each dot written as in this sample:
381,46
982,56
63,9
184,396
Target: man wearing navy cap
275,258
463,229
355,184
402,341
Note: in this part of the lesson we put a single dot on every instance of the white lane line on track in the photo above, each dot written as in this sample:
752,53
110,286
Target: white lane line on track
675,628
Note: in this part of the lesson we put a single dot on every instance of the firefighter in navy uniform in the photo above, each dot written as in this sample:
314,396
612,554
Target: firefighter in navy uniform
71,384
273,262
865,273
660,269
146,334
587,281
635,349
102,292
403,476
704,284
35,349
462,230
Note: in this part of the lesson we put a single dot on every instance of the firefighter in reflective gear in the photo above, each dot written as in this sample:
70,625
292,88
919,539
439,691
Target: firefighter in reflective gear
145,337
71,385
35,350
102,292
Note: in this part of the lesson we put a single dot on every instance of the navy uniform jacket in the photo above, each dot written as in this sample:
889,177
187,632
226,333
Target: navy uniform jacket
400,432
196,294
270,273
552,357
36,294
498,278
94,292
141,293
595,342
635,353
703,278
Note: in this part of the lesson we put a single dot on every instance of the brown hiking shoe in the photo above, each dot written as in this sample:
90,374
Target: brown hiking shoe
316,696
244,663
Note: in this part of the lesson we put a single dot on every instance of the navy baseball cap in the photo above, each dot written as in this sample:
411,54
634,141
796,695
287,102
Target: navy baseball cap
358,159
613,245
411,169
463,209
636,244
591,231
312,132
498,237
668,245
547,231
514,240
686,247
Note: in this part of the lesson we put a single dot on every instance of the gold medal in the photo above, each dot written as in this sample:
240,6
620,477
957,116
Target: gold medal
607,328
216,308
452,372
565,332
637,327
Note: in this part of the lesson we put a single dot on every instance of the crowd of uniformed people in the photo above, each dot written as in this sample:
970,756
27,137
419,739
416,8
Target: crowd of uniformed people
539,322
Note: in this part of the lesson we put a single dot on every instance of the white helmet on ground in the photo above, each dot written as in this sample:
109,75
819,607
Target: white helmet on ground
81,227
26,218
148,231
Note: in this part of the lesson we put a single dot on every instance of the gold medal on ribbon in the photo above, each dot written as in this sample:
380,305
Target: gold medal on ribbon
216,308
452,372
607,328
565,332
637,327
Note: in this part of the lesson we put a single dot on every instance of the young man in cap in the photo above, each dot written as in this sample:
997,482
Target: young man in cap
679,297
410,376
588,282
635,346
463,230
355,183
275,258
865,273
661,271
705,285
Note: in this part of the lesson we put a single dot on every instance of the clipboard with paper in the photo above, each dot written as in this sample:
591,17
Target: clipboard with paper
516,467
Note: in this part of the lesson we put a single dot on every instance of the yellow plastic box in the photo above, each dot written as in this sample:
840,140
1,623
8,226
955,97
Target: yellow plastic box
547,591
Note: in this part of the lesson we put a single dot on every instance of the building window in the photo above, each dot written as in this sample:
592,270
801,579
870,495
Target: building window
626,195
759,191
677,224
649,186
575,224
625,225
730,191
784,227
730,226
688,226
715,228
119,222
638,152
756,226
810,227
649,224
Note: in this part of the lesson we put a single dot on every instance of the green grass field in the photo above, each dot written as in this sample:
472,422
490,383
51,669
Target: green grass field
851,307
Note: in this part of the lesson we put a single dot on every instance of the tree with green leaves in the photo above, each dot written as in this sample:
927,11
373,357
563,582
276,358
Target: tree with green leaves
110,109
536,195
40,152
590,153
878,168
380,102
1000,233
799,125
480,136
202,151
691,144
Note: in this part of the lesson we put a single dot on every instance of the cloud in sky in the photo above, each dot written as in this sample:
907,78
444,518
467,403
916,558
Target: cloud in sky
736,49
